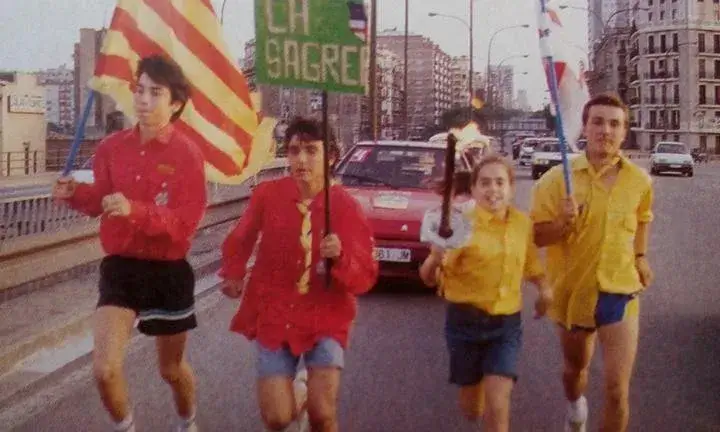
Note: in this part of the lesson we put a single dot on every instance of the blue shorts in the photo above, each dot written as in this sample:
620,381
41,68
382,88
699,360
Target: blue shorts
327,352
481,344
612,308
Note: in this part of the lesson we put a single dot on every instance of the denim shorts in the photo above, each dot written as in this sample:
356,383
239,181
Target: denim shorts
612,308
327,352
480,344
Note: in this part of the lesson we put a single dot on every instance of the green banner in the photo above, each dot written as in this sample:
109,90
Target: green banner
316,44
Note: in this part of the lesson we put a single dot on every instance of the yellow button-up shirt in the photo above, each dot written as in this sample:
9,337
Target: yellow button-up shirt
599,255
488,272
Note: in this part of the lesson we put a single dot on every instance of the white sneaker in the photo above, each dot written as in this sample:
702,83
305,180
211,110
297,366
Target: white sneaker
576,415
301,423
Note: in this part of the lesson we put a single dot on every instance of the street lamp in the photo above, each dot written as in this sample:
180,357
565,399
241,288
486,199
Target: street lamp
469,26
492,38
503,61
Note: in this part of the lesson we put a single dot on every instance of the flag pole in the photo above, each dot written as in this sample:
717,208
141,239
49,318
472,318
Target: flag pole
326,176
553,87
79,134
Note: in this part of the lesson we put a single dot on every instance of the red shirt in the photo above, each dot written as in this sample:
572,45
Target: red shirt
273,309
164,180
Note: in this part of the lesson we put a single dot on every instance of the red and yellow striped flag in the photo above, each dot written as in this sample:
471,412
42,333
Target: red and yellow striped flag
222,116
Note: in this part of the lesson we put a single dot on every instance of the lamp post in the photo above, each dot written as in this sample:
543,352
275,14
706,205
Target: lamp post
469,26
488,94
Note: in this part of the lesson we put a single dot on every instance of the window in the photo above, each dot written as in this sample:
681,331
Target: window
675,42
717,95
717,144
676,93
674,14
652,94
652,68
701,68
653,119
703,143
663,46
652,141
676,68
717,69
676,137
649,16
716,43
664,94
662,15
701,42
701,95
651,44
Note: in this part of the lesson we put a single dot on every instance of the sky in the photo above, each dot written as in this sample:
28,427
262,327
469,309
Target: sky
40,34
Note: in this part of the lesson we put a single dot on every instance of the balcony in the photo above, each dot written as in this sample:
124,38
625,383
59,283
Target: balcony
634,53
634,77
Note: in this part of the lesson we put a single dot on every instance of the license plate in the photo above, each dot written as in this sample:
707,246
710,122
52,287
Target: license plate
675,166
392,255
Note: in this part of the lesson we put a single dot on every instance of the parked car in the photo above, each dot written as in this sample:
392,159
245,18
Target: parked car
527,147
547,155
85,173
396,182
669,156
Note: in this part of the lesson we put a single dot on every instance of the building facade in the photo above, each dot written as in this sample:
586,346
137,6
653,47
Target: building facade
87,51
22,124
59,96
430,87
674,64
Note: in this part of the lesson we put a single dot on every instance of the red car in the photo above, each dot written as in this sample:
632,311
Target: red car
395,182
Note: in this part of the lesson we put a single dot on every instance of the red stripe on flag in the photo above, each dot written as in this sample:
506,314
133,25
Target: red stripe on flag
208,4
212,154
202,48
144,46
116,66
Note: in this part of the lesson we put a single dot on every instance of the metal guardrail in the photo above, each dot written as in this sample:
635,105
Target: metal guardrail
35,257
23,217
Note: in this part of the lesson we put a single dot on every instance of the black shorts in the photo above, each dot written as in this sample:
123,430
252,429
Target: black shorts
162,293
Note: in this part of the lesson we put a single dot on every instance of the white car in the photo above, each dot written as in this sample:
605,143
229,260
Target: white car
547,155
668,156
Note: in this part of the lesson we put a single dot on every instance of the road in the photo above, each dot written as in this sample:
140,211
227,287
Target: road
396,372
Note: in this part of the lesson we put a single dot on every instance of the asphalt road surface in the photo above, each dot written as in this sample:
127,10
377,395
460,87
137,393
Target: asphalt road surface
396,373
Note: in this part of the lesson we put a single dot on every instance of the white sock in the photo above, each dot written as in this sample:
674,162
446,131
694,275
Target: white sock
189,419
578,404
124,424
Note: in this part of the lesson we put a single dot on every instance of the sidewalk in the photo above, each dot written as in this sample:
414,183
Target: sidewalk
47,320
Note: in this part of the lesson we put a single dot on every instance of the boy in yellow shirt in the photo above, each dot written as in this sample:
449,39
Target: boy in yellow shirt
597,241
482,284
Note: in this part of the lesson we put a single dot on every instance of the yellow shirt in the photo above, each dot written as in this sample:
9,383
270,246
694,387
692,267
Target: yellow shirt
599,255
488,272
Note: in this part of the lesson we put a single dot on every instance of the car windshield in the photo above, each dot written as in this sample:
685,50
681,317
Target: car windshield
530,145
397,167
550,147
671,148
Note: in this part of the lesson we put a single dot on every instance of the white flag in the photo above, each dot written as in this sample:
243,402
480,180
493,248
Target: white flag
570,71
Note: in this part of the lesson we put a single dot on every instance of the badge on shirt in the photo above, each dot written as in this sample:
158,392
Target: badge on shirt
166,169
161,199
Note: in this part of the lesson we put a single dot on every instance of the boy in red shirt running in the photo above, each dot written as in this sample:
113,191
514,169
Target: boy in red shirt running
150,193
287,308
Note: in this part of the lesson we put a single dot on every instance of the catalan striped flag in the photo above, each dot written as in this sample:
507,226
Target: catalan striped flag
222,116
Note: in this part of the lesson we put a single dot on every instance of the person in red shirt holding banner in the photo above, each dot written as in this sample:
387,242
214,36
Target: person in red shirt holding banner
287,308
150,193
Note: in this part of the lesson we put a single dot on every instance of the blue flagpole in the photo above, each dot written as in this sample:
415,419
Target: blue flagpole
559,131
79,134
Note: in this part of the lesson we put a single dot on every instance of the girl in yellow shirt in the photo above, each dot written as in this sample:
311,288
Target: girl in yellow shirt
482,283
